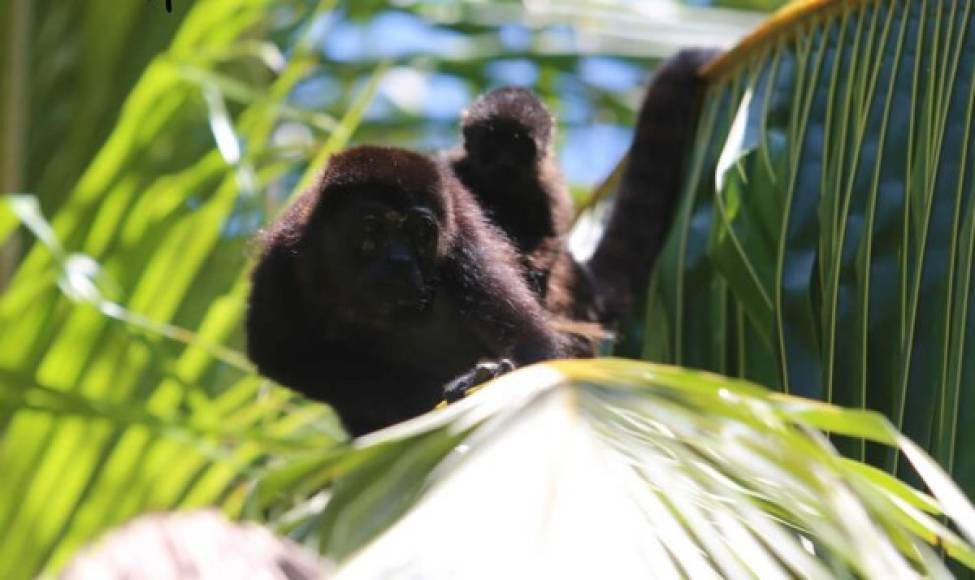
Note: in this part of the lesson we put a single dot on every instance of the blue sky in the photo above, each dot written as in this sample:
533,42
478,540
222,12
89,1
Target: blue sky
589,145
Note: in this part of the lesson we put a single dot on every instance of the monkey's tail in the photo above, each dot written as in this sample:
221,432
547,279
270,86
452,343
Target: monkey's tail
652,181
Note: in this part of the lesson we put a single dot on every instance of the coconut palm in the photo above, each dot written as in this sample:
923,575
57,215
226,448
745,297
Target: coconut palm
823,250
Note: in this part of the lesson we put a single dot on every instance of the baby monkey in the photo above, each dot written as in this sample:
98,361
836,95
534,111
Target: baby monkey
508,163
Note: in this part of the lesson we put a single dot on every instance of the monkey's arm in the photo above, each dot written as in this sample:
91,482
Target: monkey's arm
370,391
497,302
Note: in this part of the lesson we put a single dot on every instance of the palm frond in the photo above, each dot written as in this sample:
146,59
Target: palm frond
825,242
624,469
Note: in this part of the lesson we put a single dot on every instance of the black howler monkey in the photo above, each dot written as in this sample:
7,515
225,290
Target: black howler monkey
382,284
508,162
385,282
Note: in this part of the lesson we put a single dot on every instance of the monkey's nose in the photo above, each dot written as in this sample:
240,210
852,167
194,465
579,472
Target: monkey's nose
399,255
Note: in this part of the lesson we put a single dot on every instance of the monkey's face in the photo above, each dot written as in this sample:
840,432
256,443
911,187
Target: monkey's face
386,255
500,146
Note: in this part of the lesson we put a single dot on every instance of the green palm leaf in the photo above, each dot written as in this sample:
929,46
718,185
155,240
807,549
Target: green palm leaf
67,70
109,406
825,242
631,470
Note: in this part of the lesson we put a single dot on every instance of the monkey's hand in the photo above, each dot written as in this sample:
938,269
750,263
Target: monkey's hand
483,372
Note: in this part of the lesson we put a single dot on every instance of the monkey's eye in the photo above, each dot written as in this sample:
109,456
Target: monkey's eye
423,230
370,225
369,231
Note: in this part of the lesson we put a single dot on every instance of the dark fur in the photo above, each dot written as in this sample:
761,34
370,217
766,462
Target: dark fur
524,194
508,163
313,333
619,270
305,331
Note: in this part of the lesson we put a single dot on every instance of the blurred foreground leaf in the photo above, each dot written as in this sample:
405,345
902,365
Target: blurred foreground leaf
621,469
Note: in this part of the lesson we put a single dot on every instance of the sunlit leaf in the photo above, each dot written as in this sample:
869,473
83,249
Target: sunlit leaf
630,470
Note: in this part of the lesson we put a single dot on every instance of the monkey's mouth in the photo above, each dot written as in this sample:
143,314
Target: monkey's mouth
402,298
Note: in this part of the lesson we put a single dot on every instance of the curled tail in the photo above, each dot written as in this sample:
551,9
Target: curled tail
652,181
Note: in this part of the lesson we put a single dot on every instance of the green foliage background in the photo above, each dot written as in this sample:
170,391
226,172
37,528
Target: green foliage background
147,141
832,256
152,146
